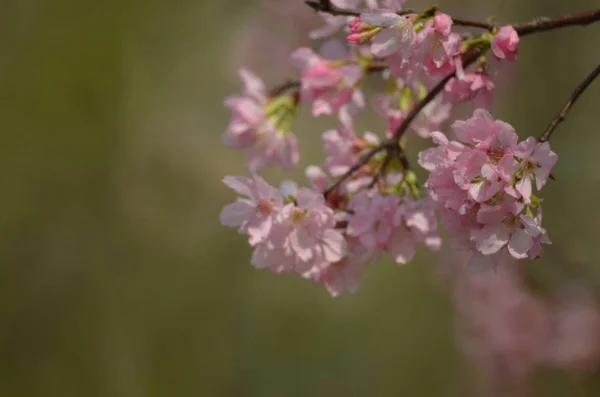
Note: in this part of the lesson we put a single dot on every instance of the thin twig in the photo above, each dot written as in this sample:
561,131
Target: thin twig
473,24
565,109
329,8
288,85
544,24
539,24
380,174
365,158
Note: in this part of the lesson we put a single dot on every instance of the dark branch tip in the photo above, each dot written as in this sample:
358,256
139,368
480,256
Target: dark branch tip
319,5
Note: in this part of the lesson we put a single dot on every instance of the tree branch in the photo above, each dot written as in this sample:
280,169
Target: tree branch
565,109
359,164
544,24
539,24
329,8
391,145
473,24
280,89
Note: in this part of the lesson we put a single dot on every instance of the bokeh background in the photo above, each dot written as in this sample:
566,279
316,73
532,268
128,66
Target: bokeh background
116,278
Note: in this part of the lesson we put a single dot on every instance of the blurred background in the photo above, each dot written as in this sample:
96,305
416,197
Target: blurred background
116,278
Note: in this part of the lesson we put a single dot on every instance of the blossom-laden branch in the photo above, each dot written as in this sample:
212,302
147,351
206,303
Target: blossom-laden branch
567,107
538,24
391,144
366,200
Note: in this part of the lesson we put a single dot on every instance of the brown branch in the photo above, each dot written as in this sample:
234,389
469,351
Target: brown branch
391,145
383,168
544,24
539,24
473,24
365,158
565,109
280,89
329,8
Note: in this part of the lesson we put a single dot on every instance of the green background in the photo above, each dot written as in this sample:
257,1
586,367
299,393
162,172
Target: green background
116,278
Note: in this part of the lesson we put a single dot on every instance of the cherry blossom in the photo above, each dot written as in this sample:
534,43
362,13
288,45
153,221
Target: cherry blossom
260,126
329,83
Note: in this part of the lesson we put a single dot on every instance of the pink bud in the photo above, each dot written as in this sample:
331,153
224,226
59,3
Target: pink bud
356,25
505,44
358,38
443,24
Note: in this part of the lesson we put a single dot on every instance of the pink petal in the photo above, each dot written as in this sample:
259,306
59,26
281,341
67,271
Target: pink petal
259,229
401,246
386,43
382,18
491,239
524,188
253,85
333,50
334,245
303,58
520,243
302,244
233,215
240,184
438,138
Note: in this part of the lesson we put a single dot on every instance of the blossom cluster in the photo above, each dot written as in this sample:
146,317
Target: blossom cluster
365,200
294,230
483,185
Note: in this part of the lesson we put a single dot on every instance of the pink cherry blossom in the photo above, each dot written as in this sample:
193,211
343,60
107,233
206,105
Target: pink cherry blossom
334,23
343,148
505,226
329,83
317,178
253,214
473,86
264,135
493,137
415,223
372,219
342,276
396,33
527,161
469,181
247,112
305,232
505,44
442,53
